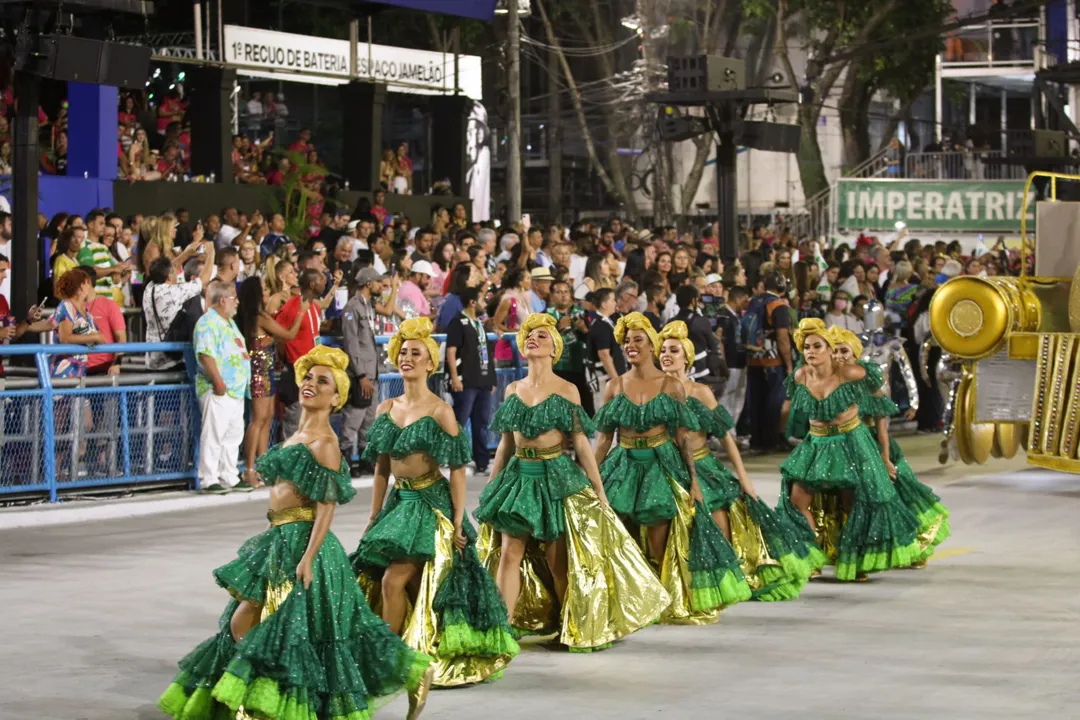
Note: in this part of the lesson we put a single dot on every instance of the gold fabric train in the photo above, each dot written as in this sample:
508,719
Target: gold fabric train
421,630
748,542
611,590
675,573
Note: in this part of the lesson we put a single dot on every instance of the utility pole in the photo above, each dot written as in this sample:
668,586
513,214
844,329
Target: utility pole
513,162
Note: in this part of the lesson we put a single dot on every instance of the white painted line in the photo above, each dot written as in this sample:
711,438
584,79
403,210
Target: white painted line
76,511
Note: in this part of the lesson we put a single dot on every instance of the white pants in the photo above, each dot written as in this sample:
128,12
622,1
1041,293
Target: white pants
734,397
219,443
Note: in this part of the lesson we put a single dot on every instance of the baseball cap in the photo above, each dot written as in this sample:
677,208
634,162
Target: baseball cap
423,267
538,273
367,275
713,278
644,235
353,224
710,241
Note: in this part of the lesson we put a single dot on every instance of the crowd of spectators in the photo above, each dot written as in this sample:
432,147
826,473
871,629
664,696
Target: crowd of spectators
350,278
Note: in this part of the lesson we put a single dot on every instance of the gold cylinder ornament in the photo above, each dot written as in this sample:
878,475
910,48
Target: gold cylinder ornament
971,317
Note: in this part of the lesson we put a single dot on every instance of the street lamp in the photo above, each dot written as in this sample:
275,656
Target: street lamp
502,7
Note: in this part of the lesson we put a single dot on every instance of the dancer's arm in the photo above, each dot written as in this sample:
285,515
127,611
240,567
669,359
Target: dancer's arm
604,438
326,453
382,473
444,415
707,398
585,456
883,439
675,389
506,444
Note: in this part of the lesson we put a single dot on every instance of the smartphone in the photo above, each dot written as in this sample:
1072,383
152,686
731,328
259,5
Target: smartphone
42,301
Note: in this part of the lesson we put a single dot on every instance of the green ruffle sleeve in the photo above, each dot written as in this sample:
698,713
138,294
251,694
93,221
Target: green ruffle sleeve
297,465
554,413
839,400
661,410
716,423
425,435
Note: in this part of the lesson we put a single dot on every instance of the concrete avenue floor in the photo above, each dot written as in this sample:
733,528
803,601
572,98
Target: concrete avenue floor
98,613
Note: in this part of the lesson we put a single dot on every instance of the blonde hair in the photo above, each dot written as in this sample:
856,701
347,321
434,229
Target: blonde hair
161,234
843,336
903,271
808,327
414,329
637,321
677,330
540,320
327,357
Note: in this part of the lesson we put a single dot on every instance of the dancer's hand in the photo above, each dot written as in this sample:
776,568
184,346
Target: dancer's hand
370,523
910,414
460,541
748,491
890,467
604,500
695,493
304,572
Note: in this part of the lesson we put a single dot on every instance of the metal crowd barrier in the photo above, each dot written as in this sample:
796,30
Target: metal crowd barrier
60,435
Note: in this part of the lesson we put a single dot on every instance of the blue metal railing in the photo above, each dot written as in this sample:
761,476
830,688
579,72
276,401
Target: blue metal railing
69,434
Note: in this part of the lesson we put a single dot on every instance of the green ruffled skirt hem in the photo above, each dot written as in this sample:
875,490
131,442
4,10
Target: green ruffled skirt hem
318,653
783,570
636,483
716,576
526,498
932,516
880,533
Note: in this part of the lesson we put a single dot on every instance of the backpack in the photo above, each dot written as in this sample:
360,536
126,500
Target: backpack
182,327
757,335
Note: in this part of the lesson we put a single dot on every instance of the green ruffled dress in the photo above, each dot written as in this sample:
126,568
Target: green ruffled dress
319,653
880,533
469,632
933,517
651,486
777,559
611,591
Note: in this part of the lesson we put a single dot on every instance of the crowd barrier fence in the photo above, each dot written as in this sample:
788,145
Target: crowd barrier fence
65,436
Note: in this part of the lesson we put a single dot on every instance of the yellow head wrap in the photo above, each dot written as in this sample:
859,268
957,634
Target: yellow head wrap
414,329
677,330
636,321
843,336
808,327
540,320
327,357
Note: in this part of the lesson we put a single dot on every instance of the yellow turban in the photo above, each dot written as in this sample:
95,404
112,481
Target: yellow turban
677,330
540,320
327,357
637,321
843,336
808,327
414,329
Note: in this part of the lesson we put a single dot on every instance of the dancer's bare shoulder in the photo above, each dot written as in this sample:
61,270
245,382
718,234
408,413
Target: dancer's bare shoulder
326,451
568,391
702,394
674,387
852,373
444,415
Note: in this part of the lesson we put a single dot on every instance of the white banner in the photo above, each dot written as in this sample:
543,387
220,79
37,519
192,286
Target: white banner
286,56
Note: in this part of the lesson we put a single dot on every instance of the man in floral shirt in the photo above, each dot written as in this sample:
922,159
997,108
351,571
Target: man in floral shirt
222,385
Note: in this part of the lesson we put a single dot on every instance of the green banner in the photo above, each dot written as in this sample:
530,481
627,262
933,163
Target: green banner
960,205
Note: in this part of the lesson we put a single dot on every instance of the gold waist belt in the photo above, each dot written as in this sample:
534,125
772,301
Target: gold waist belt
643,443
827,430
422,482
701,453
530,453
303,513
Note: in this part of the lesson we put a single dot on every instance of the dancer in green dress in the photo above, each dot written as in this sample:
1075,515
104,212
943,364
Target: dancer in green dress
653,485
417,560
564,562
840,454
877,408
298,641
776,559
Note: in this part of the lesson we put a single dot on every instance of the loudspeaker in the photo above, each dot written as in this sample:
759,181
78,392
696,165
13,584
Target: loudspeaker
125,66
362,106
449,155
74,59
774,137
705,72
209,90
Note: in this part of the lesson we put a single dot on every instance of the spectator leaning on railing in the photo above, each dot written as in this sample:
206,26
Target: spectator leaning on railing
10,328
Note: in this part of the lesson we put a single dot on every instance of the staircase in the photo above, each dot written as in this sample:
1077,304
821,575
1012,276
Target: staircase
814,218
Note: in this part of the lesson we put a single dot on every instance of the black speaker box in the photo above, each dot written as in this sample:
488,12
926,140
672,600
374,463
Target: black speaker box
74,59
774,137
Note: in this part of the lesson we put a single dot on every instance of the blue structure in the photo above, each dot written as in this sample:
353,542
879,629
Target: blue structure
60,436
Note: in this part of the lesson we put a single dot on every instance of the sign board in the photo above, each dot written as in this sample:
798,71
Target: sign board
285,56
950,205
1004,389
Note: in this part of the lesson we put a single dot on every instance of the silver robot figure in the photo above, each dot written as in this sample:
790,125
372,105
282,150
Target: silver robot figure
886,351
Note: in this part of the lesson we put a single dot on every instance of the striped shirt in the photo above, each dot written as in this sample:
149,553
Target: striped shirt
98,255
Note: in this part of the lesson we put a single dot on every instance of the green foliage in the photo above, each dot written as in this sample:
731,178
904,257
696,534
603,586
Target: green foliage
905,70
296,197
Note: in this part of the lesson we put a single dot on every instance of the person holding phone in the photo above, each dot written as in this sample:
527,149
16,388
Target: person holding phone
12,329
